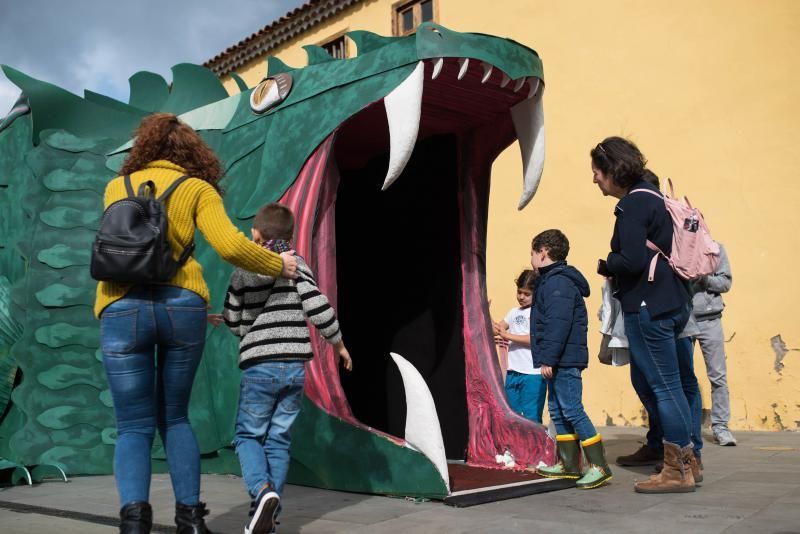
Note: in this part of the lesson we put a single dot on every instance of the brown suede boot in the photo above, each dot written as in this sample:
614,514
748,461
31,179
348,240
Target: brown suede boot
675,477
697,469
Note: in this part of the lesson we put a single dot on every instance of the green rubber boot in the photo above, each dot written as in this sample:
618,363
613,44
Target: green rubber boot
597,472
569,459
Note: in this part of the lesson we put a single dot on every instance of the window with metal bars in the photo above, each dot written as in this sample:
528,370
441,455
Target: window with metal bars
408,15
336,47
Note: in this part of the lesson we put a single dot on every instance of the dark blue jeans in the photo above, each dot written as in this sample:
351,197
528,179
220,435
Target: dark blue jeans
691,389
564,400
269,401
654,351
150,388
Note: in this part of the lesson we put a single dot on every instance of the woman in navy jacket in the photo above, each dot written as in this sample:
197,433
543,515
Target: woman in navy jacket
656,311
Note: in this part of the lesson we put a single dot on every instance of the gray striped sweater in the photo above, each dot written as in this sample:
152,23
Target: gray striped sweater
269,315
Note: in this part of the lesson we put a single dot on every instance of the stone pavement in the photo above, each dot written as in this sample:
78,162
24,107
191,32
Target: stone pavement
754,487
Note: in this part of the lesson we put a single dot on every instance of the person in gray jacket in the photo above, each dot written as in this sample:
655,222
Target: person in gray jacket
708,306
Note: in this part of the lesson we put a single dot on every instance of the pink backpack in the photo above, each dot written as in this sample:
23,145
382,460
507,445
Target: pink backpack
694,252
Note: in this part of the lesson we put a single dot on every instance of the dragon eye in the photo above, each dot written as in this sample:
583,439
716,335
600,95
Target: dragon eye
270,92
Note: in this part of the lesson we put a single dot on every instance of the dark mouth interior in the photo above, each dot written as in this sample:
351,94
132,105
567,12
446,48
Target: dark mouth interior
399,287
399,270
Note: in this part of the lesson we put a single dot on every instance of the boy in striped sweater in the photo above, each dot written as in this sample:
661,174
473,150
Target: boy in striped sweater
269,316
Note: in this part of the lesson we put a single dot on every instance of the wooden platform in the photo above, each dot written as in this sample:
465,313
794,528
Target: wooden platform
476,485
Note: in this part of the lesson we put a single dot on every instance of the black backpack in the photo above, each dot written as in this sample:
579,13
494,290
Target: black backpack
131,245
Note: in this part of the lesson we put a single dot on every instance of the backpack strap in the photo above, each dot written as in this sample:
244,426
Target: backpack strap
172,187
129,186
188,251
671,189
651,272
144,186
659,195
163,198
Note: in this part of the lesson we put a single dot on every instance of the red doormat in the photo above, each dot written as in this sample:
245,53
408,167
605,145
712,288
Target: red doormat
477,485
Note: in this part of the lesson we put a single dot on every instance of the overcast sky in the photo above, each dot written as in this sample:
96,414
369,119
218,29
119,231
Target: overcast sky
99,44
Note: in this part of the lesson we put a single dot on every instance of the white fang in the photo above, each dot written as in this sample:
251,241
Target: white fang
423,431
528,118
403,110
533,82
437,68
487,71
505,81
463,66
518,84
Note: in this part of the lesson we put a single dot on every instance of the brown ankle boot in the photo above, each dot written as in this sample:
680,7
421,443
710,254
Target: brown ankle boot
643,456
675,477
696,465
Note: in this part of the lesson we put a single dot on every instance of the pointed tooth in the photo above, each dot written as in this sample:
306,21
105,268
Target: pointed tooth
487,71
463,66
534,85
518,84
423,431
505,81
528,118
437,67
403,109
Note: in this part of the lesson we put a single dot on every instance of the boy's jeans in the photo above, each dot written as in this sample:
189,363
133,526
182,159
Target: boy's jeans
564,392
269,401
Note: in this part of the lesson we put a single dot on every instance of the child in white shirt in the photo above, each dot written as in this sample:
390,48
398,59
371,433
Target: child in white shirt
525,389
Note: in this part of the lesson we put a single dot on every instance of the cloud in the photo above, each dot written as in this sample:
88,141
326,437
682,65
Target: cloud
98,45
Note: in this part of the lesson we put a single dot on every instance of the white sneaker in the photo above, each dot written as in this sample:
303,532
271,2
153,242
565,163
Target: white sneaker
263,520
724,437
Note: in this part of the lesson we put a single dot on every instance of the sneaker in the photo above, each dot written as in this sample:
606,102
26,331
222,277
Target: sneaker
644,456
724,437
263,519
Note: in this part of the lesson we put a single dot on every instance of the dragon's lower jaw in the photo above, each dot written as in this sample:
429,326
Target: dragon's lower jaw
405,267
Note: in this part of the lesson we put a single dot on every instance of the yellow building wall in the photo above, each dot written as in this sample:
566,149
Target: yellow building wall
708,90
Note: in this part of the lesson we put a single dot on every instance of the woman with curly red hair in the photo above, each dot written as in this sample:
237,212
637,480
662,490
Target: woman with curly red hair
151,388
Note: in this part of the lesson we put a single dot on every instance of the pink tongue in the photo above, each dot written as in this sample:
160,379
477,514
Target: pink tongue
311,197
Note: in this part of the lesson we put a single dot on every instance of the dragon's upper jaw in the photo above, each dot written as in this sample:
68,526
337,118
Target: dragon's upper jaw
450,95
457,98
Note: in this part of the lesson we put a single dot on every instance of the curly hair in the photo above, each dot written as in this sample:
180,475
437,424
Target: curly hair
554,241
164,136
620,159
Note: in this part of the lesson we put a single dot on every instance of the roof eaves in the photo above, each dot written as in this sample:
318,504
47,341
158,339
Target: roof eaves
294,23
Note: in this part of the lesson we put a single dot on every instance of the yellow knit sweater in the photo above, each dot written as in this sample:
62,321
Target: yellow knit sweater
195,204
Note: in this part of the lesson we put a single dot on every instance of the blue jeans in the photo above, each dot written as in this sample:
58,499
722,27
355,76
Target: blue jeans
691,389
654,351
150,388
526,394
269,402
564,392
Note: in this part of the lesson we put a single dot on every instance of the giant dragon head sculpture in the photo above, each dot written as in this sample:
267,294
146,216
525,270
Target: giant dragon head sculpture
386,159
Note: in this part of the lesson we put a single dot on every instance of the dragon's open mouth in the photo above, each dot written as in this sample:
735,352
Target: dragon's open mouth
404,251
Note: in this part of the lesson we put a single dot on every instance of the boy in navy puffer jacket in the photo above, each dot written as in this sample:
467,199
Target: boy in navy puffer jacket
558,344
